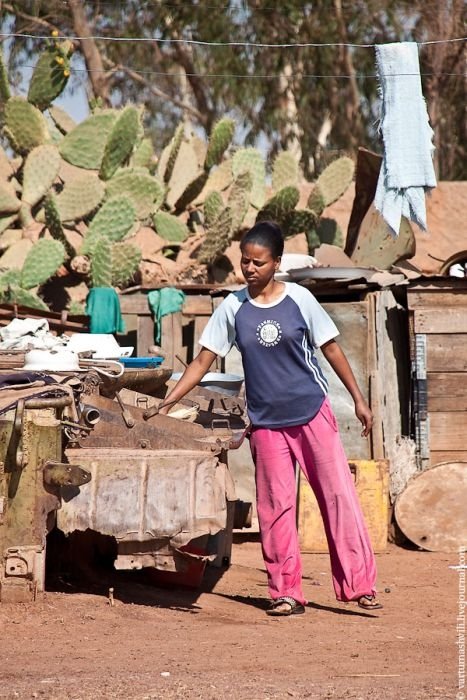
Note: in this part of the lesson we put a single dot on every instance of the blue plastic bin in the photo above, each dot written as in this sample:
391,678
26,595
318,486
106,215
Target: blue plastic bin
141,362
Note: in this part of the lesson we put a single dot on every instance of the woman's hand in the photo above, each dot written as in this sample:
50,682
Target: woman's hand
365,416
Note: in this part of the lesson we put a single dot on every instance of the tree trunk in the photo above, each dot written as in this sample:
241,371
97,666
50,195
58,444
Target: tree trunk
90,52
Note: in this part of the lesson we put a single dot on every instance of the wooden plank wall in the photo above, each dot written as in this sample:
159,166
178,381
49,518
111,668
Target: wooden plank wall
180,332
440,315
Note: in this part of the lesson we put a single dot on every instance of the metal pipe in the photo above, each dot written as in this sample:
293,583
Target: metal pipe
48,402
90,415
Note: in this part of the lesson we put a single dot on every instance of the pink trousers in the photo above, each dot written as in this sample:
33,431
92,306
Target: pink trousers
317,447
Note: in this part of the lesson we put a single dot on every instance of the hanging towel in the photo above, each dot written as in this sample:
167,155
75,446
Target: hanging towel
162,302
407,171
103,306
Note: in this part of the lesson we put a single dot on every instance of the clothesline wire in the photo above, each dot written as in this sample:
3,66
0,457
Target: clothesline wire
245,44
253,75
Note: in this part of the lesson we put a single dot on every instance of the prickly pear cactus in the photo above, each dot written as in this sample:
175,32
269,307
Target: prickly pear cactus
192,191
144,190
61,119
173,153
40,170
80,197
285,171
41,263
239,199
125,260
334,180
84,146
50,75
24,297
5,93
101,263
114,220
299,221
329,231
279,205
54,225
251,160
219,140
170,227
217,239
143,154
213,205
25,126
9,202
316,201
120,142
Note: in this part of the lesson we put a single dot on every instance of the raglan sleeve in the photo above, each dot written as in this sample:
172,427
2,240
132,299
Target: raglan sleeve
321,327
219,334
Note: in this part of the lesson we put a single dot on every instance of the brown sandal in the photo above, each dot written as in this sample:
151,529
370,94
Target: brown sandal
369,602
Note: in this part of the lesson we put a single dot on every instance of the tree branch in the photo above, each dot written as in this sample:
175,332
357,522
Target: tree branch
92,56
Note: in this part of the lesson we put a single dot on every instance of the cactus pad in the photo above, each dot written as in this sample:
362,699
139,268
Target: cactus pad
41,263
191,192
23,297
85,145
125,260
113,221
219,140
62,119
4,85
213,205
329,231
120,142
143,154
217,238
40,170
239,198
80,197
299,221
285,171
170,227
278,206
101,263
316,201
9,202
25,126
144,190
335,179
54,225
173,153
49,78
251,160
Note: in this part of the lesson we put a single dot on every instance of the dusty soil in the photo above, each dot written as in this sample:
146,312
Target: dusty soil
218,643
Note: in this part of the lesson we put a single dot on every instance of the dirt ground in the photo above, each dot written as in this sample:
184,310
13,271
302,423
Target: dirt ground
218,643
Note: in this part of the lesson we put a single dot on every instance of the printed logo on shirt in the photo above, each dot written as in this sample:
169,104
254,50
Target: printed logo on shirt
269,333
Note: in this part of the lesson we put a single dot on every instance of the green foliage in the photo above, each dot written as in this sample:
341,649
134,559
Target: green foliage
299,221
328,231
50,76
143,154
23,297
239,199
191,192
219,140
145,191
101,263
125,260
25,126
84,146
54,224
61,119
120,142
5,93
41,263
316,200
170,227
335,179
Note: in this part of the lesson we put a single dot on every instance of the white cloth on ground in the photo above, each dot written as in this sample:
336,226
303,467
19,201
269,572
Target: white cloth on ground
407,171
26,333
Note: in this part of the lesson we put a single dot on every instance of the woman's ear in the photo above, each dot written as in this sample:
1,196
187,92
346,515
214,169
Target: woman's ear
277,263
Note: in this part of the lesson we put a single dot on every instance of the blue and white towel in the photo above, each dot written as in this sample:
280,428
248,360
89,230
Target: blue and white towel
407,171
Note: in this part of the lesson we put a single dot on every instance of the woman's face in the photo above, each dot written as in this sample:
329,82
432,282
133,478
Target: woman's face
258,264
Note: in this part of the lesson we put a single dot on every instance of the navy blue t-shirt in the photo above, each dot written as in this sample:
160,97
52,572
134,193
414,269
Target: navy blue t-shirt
283,381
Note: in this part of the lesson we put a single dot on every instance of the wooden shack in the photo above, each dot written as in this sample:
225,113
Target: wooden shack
438,329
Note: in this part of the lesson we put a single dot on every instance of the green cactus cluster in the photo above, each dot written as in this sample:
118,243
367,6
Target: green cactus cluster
87,188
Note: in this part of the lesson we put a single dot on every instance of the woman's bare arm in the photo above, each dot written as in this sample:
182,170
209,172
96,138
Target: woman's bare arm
338,361
189,379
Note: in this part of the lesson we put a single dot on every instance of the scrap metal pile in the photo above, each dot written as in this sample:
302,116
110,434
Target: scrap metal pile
88,451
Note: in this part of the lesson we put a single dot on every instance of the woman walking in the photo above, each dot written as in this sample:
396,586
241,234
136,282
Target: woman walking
276,326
